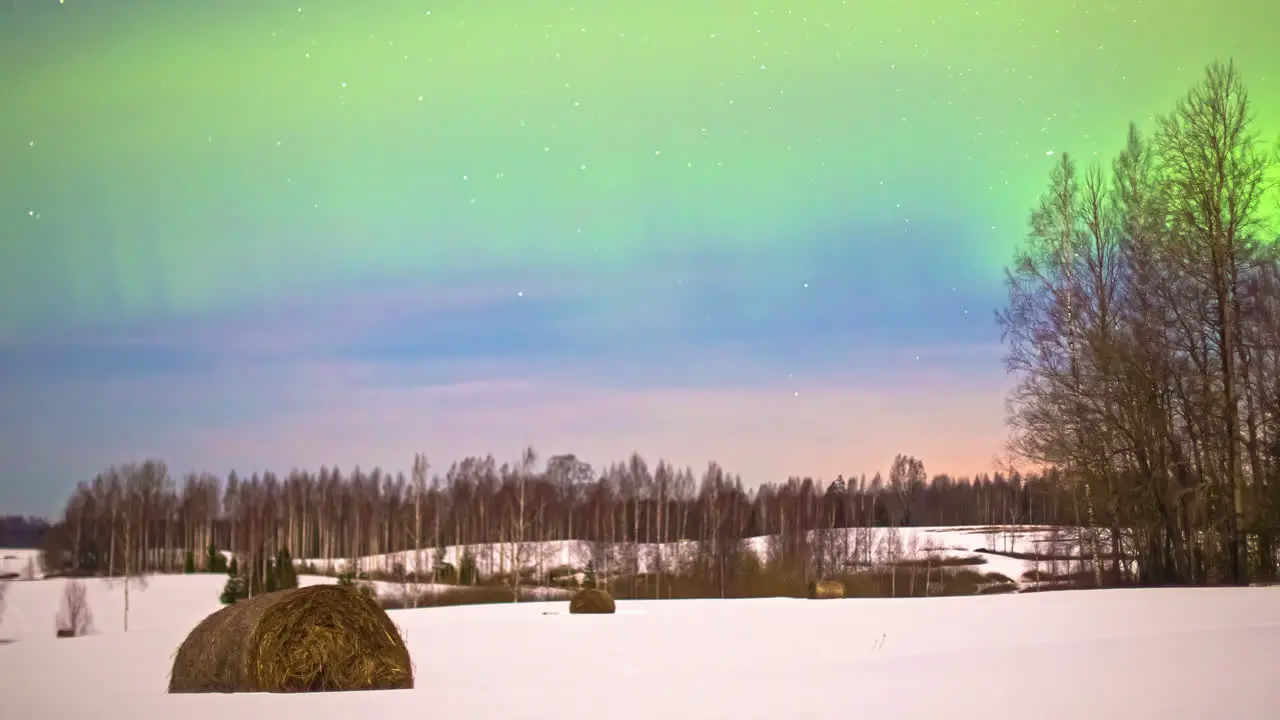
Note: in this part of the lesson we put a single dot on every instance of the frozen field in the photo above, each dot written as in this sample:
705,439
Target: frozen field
991,546
988,545
1193,653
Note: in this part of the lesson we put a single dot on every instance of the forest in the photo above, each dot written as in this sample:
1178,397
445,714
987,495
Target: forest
120,522
1142,324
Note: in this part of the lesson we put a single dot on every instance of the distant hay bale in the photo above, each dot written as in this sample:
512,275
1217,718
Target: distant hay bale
826,590
315,639
592,601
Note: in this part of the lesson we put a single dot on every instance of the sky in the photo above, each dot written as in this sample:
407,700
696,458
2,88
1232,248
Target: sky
266,235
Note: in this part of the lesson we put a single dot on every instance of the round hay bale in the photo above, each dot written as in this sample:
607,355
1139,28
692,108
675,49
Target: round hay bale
826,590
314,639
592,601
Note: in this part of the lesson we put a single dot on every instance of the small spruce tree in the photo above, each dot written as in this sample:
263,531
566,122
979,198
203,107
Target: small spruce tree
234,590
215,561
286,574
468,573
189,565
347,579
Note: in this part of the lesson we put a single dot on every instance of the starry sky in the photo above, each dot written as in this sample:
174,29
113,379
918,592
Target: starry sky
264,235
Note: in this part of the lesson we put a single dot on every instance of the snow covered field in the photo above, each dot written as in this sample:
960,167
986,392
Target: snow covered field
22,562
1178,653
869,545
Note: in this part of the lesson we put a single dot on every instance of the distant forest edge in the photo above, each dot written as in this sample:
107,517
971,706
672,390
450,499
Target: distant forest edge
20,531
1143,325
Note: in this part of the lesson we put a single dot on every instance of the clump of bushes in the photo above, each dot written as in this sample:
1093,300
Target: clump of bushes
358,582
74,617
458,595
263,576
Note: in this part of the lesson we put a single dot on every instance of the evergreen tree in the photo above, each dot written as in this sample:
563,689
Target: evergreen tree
467,571
286,574
347,579
215,561
234,589
189,565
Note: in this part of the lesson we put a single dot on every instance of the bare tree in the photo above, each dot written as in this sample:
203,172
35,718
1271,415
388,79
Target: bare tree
74,617
1216,180
420,468
138,484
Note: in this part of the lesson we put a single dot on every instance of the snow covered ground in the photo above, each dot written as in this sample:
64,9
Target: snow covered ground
22,562
869,544
1177,653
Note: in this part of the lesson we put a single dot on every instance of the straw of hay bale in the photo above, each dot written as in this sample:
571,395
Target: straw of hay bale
826,590
592,601
313,639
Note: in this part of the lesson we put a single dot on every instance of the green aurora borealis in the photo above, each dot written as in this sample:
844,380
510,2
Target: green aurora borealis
188,157
260,235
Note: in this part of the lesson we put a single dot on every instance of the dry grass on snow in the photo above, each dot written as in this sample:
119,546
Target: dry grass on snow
592,601
825,590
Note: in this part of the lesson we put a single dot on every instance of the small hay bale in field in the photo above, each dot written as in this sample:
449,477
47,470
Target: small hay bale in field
592,601
826,590
313,639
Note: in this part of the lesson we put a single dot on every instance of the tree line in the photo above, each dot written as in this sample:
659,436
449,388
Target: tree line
137,518
1143,321
19,531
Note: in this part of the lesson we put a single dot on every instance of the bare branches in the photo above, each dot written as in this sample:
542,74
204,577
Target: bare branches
74,617
1134,324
